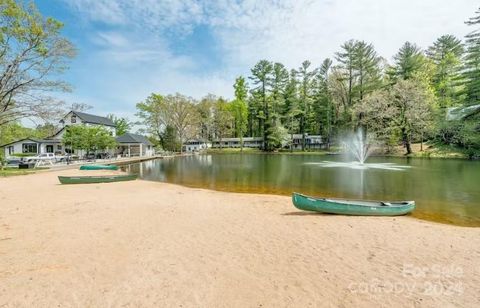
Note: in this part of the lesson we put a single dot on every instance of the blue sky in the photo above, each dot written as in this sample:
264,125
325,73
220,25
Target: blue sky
128,49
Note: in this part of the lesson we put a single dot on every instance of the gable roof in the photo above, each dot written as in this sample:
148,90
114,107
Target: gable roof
32,139
93,119
133,138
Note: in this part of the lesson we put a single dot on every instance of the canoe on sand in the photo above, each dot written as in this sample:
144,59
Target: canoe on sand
352,207
96,179
99,167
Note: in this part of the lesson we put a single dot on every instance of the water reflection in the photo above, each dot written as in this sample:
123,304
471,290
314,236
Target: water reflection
445,190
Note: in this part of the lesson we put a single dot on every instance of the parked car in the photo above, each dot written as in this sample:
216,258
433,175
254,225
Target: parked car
13,162
89,157
43,157
103,155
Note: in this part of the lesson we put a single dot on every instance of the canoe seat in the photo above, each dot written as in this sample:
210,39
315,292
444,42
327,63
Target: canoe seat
385,203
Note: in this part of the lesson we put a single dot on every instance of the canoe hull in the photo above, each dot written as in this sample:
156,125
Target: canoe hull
344,207
96,179
99,167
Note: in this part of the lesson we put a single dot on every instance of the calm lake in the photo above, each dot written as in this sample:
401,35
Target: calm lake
446,191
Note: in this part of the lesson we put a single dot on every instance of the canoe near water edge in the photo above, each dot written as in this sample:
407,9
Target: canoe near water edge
99,167
352,207
96,179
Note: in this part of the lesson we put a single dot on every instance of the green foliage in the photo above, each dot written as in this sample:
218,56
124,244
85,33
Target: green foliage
32,53
15,131
88,138
262,80
153,113
222,119
278,137
446,53
122,125
471,71
404,110
464,134
169,140
408,61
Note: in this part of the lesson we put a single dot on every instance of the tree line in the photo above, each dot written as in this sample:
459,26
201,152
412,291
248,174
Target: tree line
397,102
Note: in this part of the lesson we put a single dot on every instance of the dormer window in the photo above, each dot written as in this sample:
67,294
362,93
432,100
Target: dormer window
73,119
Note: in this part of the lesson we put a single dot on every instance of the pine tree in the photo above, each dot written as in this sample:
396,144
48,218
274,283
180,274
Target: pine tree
305,95
367,69
279,81
261,77
291,109
446,53
323,104
471,72
408,61
346,60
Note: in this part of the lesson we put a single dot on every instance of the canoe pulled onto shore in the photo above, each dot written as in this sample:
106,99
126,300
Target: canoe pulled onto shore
96,179
98,167
352,207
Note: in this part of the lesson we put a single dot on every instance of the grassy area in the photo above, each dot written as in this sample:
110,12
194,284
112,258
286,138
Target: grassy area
232,150
15,171
445,151
429,151
258,151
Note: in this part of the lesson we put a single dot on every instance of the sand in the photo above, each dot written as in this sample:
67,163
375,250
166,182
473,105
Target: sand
149,244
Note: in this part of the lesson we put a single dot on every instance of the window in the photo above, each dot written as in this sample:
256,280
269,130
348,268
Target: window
29,148
73,119
59,147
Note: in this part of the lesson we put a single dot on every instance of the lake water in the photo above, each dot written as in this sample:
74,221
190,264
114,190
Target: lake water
446,191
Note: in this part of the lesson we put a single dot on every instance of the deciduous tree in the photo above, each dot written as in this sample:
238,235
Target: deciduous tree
32,52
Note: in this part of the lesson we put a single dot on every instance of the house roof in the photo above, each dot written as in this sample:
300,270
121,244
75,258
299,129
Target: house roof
32,139
133,138
93,119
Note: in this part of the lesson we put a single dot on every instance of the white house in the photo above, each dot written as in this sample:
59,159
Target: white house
195,145
128,144
311,141
53,144
248,142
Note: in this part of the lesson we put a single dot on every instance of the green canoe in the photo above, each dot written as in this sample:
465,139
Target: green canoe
352,207
96,179
99,167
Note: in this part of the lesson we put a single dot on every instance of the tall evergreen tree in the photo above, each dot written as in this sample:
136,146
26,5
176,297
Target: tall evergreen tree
346,59
322,104
279,81
471,73
239,110
446,53
291,109
408,61
366,68
305,76
262,79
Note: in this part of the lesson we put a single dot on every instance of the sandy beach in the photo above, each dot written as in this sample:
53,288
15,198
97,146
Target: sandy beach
149,244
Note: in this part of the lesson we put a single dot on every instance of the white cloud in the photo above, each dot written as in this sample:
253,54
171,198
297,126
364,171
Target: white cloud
136,57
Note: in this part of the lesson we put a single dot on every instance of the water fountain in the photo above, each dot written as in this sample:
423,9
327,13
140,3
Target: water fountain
358,146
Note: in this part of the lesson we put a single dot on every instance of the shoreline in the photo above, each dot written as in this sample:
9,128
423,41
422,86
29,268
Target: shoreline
144,243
